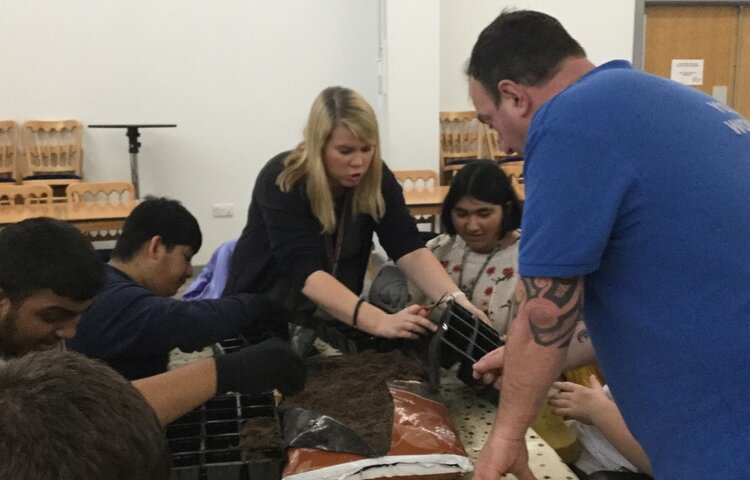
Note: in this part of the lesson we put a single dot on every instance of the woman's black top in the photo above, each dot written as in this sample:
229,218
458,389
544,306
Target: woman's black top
282,243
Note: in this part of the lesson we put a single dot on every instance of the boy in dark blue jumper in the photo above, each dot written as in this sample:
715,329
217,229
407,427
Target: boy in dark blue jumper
133,322
48,274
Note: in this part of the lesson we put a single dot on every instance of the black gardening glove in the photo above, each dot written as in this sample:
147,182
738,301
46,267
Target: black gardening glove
261,368
272,321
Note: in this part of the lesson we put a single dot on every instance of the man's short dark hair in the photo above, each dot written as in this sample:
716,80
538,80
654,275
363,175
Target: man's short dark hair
158,216
43,253
63,415
485,181
523,46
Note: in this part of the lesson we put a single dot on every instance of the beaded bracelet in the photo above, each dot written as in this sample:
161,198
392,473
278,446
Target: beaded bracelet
356,311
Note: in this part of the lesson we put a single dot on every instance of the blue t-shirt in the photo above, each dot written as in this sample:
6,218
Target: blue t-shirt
642,185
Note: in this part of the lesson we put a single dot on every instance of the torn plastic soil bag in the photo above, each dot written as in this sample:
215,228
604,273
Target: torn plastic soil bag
346,405
423,443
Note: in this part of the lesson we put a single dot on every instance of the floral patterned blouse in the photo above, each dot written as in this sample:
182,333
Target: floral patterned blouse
490,290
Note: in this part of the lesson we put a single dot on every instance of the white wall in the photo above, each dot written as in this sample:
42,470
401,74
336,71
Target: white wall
413,97
604,28
237,76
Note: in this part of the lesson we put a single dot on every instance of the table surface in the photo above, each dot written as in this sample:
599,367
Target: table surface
472,418
73,212
425,196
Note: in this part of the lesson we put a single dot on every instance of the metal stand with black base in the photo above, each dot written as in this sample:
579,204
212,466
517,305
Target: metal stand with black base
133,145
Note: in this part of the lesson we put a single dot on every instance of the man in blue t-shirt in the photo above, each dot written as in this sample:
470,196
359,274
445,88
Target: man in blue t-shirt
637,193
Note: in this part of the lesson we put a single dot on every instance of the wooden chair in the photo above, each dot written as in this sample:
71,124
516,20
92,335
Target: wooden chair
461,139
492,139
8,151
112,192
514,172
31,194
53,151
419,180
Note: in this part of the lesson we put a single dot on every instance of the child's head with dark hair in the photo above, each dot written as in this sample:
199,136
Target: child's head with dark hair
63,415
158,241
42,253
480,198
49,273
160,217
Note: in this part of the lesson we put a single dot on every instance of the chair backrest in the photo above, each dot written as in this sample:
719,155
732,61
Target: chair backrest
461,140
514,172
52,147
9,149
493,144
417,179
112,192
29,194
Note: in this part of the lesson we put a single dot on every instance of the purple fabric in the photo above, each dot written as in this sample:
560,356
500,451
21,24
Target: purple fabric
210,282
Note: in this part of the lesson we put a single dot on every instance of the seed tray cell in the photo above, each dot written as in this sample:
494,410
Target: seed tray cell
230,345
205,443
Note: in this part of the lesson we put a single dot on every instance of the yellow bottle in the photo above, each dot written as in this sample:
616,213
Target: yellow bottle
557,434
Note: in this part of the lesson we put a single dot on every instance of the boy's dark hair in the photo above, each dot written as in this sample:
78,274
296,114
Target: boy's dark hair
158,216
485,181
63,415
43,253
523,46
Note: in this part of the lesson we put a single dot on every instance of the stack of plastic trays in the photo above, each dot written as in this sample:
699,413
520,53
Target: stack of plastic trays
205,444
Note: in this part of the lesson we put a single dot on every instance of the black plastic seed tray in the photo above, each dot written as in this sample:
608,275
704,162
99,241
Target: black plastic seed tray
205,443
461,339
230,345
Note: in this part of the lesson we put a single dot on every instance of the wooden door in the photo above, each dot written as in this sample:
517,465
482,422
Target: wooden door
741,101
712,33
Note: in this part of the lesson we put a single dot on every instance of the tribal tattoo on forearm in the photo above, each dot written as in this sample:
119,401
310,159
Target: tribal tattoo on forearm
552,307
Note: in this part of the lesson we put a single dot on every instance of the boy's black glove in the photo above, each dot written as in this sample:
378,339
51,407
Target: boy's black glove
261,368
272,321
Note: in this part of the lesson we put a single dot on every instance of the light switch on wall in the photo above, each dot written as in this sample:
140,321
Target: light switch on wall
223,210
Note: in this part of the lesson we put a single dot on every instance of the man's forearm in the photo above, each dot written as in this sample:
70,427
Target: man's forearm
546,311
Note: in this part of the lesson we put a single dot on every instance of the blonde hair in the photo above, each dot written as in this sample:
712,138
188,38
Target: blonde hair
334,107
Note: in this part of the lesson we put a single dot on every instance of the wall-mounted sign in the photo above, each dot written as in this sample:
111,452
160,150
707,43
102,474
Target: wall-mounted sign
689,72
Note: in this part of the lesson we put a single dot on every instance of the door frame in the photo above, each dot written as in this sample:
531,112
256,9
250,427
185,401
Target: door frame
639,30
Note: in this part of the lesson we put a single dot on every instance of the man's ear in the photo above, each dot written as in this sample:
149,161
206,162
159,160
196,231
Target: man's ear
516,94
154,247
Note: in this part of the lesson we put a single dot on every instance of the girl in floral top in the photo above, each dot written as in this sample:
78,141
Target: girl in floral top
481,216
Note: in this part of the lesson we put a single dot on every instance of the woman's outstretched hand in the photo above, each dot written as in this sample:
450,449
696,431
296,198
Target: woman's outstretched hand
411,322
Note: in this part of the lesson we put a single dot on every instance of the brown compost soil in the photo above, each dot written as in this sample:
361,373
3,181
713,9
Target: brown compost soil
353,390
260,438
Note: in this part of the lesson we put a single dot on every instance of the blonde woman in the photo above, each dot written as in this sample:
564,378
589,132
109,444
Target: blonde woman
311,219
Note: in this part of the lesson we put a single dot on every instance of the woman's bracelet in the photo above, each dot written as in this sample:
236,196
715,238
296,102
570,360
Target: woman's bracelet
356,312
457,293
